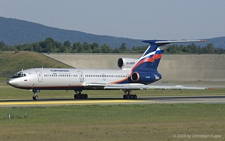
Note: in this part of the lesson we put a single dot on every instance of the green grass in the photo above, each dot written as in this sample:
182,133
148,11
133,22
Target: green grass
111,122
12,62
120,122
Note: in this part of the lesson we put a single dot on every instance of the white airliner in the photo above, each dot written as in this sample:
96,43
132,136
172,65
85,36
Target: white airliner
134,74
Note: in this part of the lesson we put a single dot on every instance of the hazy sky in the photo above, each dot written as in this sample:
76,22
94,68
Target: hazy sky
137,19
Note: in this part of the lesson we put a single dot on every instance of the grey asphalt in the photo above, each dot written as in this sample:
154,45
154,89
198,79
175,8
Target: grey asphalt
116,101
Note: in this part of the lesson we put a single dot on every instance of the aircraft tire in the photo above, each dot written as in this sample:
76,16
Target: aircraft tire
85,96
35,97
131,96
82,96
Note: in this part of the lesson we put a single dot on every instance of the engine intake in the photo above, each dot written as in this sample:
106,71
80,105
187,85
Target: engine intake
135,77
144,77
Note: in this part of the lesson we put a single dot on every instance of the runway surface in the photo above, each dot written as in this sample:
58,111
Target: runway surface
115,101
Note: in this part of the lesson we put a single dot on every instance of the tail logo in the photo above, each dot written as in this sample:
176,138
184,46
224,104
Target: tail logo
149,58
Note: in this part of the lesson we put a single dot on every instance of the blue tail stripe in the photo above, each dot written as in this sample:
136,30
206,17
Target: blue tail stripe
152,60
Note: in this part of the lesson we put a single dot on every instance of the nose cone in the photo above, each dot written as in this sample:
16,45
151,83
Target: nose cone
12,82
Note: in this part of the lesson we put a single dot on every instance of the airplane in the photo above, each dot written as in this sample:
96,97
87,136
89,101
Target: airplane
134,74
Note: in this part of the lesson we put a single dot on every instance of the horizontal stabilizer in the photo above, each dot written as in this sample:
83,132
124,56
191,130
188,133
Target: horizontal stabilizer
176,87
170,41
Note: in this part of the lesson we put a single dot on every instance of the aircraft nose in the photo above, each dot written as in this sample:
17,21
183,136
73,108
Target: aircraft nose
12,82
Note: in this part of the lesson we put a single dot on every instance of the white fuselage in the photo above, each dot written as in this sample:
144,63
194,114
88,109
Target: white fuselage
65,78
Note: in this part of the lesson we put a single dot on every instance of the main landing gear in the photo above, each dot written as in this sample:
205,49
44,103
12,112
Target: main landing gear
35,96
127,95
78,95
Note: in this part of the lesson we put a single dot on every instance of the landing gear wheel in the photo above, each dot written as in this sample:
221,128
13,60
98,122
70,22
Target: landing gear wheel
77,96
80,96
131,96
128,95
35,97
85,96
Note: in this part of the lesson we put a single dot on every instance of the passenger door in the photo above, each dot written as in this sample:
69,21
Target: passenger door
103,77
81,76
39,75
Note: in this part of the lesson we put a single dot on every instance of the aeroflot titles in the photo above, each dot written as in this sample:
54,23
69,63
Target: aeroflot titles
59,70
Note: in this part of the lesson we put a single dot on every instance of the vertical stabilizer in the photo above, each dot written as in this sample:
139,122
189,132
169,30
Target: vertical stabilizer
151,58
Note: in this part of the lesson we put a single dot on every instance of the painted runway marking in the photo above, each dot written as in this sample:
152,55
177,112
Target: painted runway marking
69,102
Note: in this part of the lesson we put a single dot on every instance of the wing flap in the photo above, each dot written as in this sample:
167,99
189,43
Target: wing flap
135,86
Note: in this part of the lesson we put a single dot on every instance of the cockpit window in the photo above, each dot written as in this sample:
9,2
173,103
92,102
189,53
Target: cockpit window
19,74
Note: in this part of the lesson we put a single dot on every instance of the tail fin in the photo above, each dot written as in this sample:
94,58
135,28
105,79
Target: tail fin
151,57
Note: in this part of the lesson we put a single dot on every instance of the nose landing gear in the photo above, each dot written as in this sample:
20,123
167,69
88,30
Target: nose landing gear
35,96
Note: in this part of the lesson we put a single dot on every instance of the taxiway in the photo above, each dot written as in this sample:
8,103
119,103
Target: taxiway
115,101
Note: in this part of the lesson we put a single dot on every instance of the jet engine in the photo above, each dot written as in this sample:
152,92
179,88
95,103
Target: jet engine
126,63
145,77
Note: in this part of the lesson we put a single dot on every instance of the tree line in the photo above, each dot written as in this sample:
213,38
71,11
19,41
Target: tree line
51,46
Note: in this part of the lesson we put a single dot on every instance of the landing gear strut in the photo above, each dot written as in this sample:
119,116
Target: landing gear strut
127,95
35,96
78,95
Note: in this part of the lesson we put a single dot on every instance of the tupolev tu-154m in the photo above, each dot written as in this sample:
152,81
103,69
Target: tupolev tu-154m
134,74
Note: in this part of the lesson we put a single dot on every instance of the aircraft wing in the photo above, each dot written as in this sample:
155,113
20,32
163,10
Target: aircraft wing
146,87
132,86
107,86
138,86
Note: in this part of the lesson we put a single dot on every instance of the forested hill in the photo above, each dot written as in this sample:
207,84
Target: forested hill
14,32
